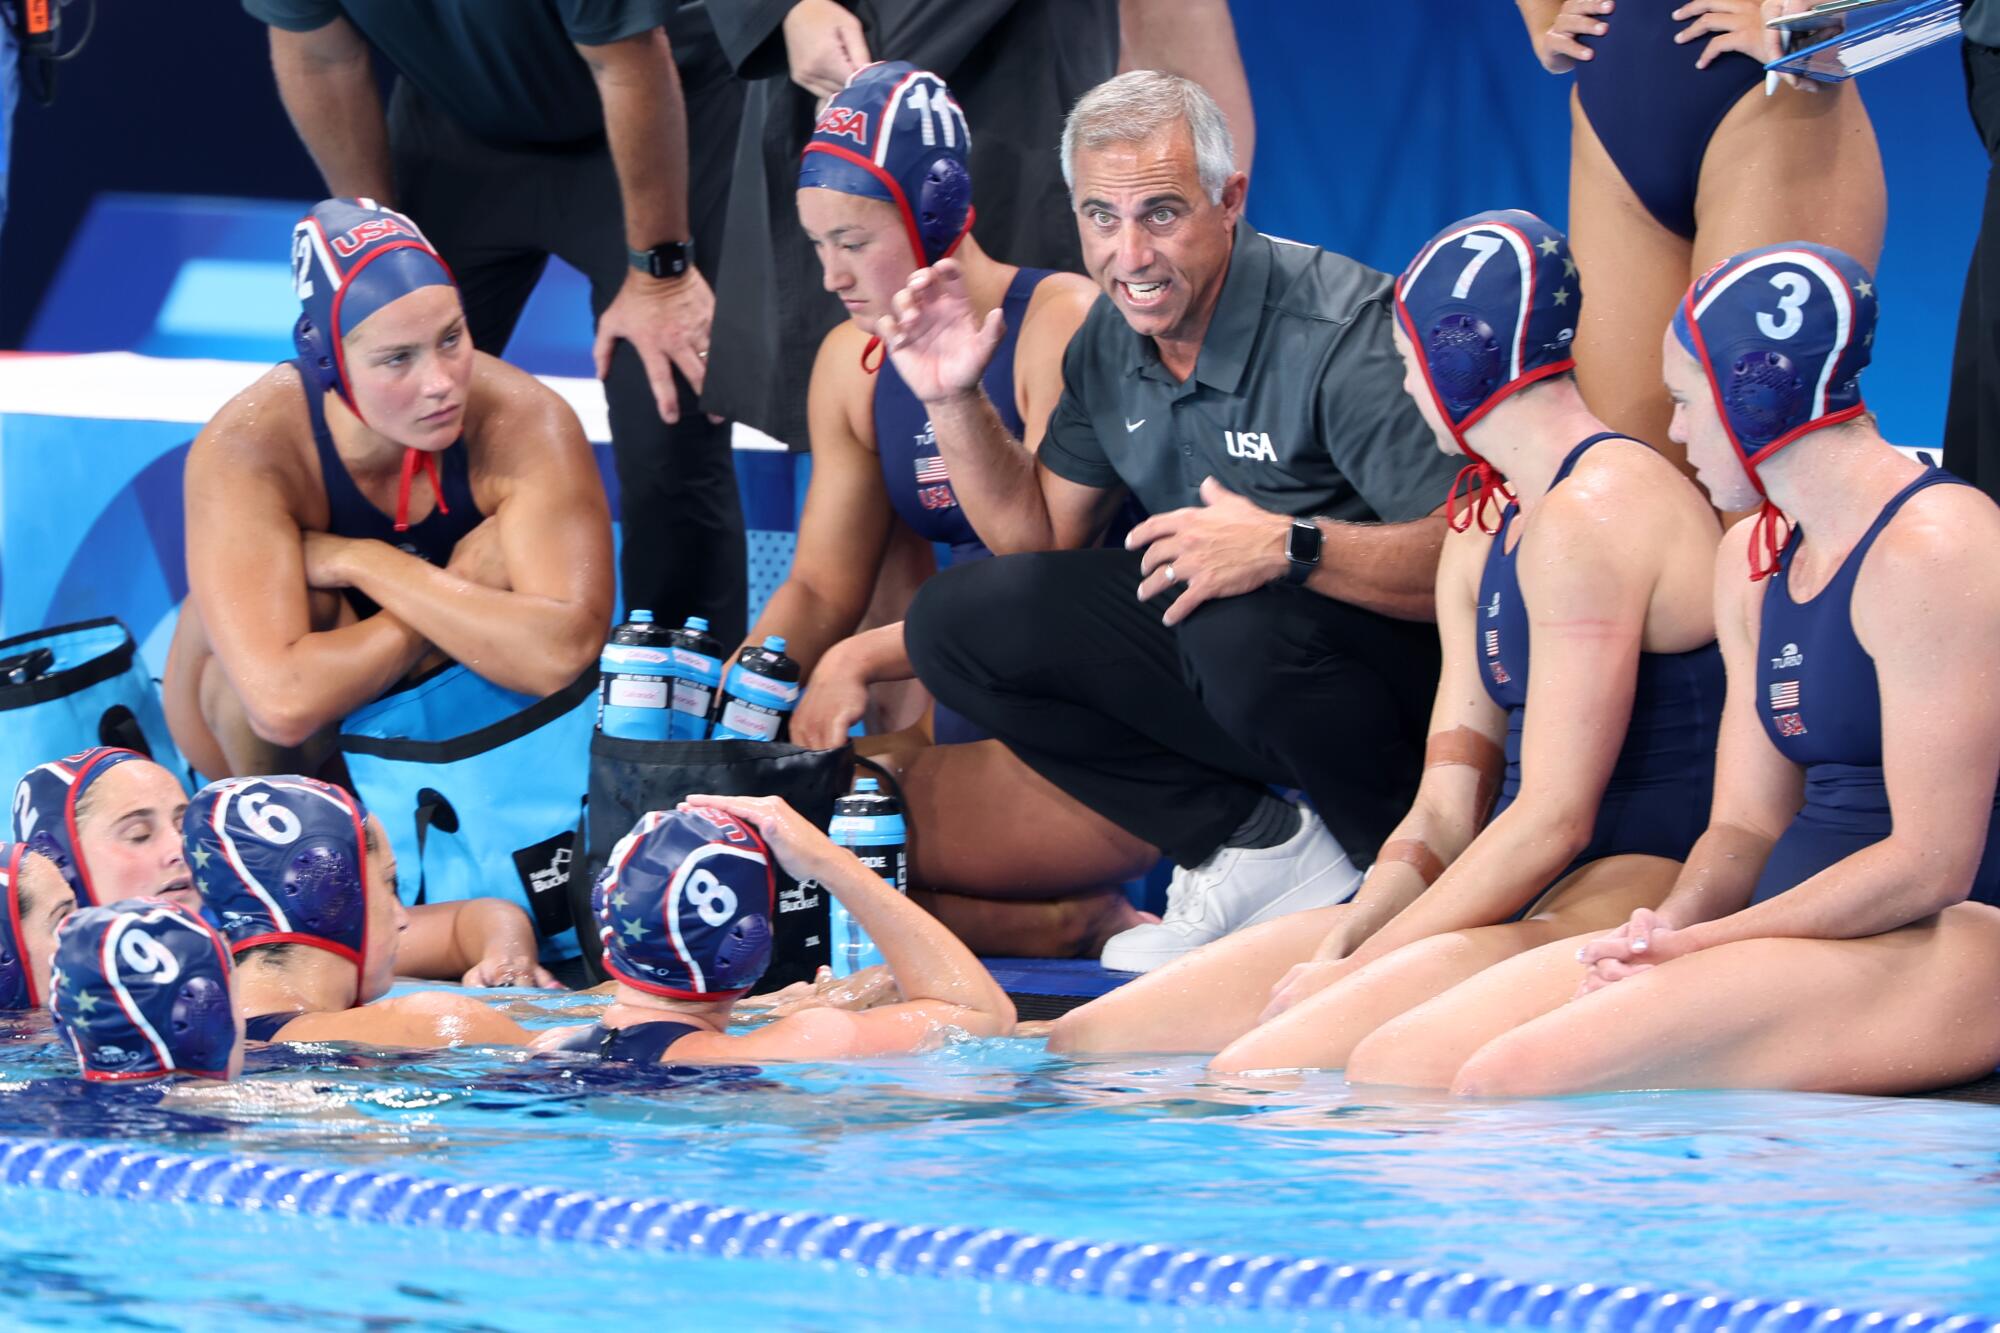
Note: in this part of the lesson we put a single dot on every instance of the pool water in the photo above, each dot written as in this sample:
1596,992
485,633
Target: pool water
1865,1202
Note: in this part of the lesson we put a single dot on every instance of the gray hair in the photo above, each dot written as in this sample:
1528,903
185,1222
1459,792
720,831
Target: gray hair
1135,106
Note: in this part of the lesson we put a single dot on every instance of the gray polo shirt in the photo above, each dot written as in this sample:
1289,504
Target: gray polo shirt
1296,401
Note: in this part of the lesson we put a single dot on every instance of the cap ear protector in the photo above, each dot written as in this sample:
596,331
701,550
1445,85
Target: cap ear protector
1782,334
141,989
1489,306
45,806
685,906
281,861
351,257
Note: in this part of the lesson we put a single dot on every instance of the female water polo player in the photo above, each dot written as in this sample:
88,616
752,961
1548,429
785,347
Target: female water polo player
390,494
142,992
1580,681
303,882
1820,936
1678,159
685,908
110,820
34,901
884,192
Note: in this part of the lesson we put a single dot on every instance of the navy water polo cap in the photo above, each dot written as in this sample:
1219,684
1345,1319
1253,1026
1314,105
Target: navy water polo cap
685,906
1490,306
45,803
351,257
17,975
281,861
141,990
895,133
1782,333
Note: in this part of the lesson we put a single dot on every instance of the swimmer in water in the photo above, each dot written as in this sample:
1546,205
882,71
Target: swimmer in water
34,901
141,991
685,908
303,881
1834,929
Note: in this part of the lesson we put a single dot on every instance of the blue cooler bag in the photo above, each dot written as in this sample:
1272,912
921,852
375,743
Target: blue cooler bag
68,689
479,789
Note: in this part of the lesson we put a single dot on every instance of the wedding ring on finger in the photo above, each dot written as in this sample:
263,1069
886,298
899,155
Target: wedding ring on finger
1168,570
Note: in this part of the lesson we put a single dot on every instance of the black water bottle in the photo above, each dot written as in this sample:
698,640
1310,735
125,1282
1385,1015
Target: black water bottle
759,694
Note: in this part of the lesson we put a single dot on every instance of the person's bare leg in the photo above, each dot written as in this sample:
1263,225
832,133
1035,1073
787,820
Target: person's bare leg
1322,1031
1075,926
1425,1047
207,720
906,562
1633,271
1791,167
1201,1001
1908,1011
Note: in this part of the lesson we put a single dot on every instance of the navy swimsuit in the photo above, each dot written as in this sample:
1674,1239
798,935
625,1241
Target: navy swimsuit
265,1027
915,474
350,514
1656,803
1653,111
1821,706
639,1044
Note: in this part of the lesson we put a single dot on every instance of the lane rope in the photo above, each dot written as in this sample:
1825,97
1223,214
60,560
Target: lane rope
1145,1274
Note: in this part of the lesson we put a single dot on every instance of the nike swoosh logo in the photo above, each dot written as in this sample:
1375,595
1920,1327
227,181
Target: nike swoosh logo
1131,426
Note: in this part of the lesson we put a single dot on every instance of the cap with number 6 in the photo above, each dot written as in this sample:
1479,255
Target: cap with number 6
684,906
140,990
281,860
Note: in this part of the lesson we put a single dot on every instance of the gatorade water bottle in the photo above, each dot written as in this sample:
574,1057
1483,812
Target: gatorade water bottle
636,668
869,823
759,694
697,671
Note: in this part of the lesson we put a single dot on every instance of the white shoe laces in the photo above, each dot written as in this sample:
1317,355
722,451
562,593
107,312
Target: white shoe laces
1188,892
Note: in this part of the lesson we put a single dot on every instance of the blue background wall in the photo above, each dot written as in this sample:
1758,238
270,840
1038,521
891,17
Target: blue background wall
1376,125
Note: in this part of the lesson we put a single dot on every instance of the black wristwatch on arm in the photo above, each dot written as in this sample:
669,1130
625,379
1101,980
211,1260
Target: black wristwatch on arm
1302,542
664,261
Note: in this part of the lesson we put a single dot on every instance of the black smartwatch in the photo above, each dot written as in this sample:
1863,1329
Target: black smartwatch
1302,550
664,261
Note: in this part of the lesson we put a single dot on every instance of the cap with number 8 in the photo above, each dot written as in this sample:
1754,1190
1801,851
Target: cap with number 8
684,906
281,860
140,990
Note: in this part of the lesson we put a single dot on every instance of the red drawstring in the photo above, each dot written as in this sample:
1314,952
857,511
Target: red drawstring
1765,544
875,346
411,458
1486,485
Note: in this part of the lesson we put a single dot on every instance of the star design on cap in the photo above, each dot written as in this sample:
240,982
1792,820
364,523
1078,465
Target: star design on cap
83,1000
1569,268
634,929
1864,289
618,899
1868,340
200,856
1562,296
1547,245
201,886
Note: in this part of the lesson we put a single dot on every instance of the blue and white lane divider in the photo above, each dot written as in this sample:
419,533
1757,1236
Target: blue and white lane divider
1148,1274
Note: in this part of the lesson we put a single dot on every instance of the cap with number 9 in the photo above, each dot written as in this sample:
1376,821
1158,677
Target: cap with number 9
685,905
140,990
281,860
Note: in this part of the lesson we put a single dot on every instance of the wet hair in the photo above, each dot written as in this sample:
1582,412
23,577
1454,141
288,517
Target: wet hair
1134,107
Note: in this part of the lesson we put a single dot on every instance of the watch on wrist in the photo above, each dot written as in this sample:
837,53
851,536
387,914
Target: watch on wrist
1302,542
664,261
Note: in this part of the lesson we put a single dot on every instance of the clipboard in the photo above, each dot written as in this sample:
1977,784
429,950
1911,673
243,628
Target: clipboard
1867,33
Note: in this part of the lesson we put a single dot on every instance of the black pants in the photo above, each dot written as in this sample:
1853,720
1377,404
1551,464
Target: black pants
497,214
1972,417
1174,734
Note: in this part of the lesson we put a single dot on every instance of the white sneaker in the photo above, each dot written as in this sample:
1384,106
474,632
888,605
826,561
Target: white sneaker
1238,887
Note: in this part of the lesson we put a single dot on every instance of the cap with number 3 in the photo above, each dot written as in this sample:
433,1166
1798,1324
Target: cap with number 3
281,861
140,990
684,906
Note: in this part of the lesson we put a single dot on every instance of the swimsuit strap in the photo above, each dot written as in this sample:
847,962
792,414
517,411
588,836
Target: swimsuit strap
1931,477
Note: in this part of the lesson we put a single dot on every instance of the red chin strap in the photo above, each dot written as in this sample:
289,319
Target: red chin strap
875,347
1481,483
412,458
1766,543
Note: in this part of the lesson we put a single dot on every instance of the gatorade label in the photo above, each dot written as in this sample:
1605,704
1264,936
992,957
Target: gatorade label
783,693
746,721
636,692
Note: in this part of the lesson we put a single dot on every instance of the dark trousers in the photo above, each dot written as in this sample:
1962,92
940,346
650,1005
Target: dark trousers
1174,734
497,214
1972,417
